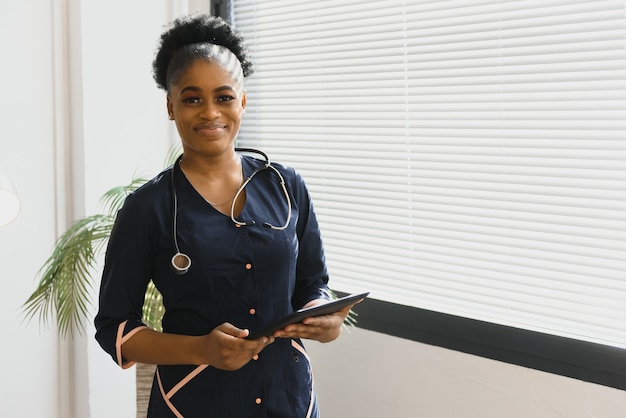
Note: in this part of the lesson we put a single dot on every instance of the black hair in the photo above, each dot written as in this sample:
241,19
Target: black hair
191,30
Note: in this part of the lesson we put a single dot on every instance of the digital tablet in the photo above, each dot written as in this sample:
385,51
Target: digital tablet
319,310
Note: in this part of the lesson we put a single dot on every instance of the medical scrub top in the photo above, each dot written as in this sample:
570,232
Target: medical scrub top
248,276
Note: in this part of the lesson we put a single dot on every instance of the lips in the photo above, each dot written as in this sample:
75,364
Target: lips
209,128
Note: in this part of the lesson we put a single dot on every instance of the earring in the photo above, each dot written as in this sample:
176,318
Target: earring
171,117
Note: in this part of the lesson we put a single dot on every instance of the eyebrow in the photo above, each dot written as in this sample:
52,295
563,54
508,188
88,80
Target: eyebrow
198,89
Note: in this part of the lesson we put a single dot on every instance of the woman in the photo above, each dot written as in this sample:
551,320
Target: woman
228,260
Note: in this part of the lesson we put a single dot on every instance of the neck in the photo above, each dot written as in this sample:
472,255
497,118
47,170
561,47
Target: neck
211,167
216,181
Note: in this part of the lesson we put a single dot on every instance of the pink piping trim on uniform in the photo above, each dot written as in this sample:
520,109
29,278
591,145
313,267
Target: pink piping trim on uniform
301,349
186,380
165,398
121,339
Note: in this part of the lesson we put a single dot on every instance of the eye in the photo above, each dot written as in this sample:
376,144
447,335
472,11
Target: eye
225,98
192,99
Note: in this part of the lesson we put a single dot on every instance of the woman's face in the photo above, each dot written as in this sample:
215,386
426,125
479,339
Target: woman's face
207,106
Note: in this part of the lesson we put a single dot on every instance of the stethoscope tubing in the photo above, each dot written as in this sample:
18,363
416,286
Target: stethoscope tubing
180,262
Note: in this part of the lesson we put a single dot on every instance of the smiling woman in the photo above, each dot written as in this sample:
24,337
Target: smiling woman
244,276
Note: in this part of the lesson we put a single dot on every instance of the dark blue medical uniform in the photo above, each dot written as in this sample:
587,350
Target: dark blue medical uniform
248,276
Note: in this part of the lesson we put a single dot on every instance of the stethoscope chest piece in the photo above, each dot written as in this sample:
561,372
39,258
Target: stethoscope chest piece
180,263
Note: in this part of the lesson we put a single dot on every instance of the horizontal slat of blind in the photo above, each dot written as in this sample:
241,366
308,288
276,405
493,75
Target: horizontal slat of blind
463,156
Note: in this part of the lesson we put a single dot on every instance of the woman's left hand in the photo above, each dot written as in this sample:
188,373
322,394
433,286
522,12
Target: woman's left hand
324,328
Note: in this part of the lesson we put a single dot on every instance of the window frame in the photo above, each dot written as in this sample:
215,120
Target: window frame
585,361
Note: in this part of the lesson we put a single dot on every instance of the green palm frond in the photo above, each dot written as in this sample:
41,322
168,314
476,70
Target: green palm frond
65,278
351,318
63,291
172,154
153,310
113,199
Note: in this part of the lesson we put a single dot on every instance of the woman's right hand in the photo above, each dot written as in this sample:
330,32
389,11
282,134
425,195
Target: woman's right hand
226,347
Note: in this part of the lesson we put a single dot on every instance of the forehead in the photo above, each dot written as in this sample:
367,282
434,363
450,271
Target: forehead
204,73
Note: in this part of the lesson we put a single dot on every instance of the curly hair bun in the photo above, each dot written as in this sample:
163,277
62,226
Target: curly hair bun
197,29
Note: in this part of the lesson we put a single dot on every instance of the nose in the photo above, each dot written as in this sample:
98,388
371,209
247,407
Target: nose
209,111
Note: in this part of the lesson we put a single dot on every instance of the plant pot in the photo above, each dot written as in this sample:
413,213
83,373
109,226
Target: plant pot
144,375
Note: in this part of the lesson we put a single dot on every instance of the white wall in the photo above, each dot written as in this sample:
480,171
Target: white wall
370,375
28,354
123,130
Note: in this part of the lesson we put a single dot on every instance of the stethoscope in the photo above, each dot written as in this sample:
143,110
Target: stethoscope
180,261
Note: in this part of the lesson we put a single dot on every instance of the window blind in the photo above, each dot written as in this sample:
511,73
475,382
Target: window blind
467,157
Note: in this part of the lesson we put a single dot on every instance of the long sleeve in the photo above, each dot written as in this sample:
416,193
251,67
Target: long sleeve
127,271
311,271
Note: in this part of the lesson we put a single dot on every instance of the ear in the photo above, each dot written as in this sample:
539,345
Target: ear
170,108
244,99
